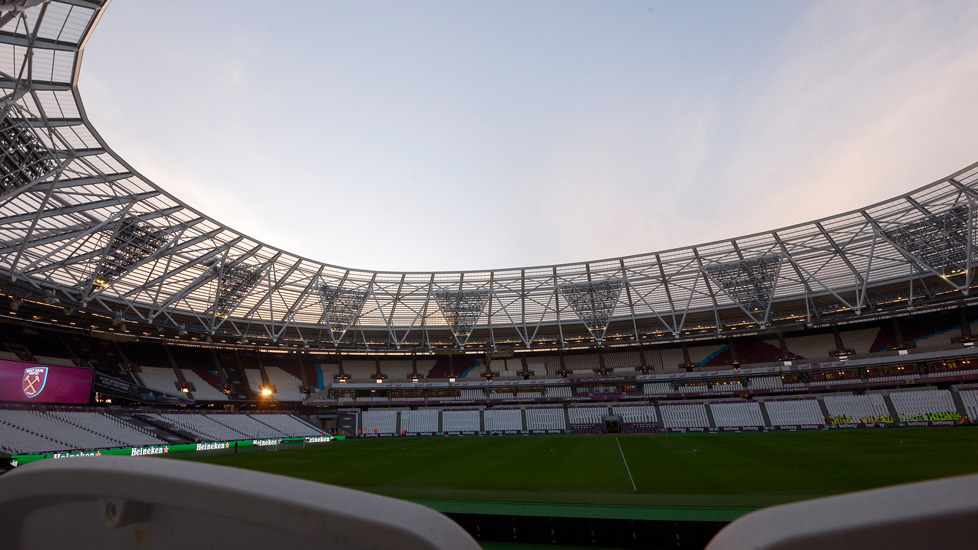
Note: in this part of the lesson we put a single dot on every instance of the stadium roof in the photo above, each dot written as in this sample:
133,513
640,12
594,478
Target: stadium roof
81,227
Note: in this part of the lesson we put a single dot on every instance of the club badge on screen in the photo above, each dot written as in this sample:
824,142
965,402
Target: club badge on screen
34,380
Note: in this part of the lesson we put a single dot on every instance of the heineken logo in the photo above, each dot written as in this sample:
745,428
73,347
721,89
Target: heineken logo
150,451
319,439
73,455
35,378
213,446
265,442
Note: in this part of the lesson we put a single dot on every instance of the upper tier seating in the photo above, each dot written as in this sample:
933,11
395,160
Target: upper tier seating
159,379
287,387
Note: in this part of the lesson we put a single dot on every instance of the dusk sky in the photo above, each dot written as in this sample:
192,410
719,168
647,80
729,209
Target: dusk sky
438,135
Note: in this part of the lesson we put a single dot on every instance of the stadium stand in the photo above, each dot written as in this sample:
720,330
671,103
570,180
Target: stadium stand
588,419
395,370
461,420
815,346
636,418
558,391
379,421
684,415
657,388
199,425
969,396
254,378
203,390
848,408
112,428
358,369
287,386
765,383
794,412
420,421
859,341
737,414
545,419
160,379
503,420
923,405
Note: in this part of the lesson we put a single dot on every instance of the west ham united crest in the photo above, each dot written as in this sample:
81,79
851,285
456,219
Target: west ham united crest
34,380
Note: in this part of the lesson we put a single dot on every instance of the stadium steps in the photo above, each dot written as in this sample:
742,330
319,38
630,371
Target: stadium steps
824,409
765,415
710,419
67,420
958,403
166,432
256,419
890,407
659,425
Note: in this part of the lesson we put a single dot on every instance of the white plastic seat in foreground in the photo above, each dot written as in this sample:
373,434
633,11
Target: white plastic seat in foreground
130,502
931,514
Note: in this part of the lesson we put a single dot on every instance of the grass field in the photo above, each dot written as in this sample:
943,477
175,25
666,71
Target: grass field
708,477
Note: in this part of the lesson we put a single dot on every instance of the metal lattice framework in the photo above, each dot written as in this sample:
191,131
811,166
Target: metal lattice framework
594,303
462,310
64,190
23,158
130,242
940,241
749,283
341,306
235,279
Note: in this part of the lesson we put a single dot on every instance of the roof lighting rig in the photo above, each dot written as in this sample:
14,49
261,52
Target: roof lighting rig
462,310
939,241
749,283
594,302
131,242
235,279
341,306
24,159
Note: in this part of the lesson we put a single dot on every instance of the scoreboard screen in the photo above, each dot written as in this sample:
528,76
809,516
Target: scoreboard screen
34,383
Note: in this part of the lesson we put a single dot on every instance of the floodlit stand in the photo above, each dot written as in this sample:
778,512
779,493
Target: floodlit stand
932,514
123,502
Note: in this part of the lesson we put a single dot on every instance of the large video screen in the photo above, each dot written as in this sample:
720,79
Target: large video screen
32,383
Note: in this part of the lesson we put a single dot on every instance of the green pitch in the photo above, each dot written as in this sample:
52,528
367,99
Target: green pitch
709,477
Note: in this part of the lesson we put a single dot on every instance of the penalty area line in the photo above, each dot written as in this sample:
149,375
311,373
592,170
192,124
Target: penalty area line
630,478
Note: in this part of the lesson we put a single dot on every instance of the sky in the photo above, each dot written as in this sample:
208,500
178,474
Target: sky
442,135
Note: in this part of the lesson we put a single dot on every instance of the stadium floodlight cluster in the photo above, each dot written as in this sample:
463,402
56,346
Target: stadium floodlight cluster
234,280
750,283
23,157
462,310
130,242
341,307
63,188
939,241
594,302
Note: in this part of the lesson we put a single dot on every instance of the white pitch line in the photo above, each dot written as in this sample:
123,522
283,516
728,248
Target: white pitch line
626,465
